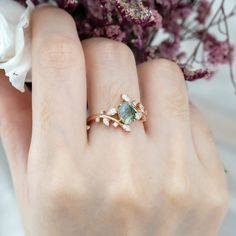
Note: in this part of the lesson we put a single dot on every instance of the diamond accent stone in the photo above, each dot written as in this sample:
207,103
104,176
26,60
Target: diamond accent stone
125,97
138,116
106,121
88,127
112,112
135,103
115,124
126,128
126,113
141,107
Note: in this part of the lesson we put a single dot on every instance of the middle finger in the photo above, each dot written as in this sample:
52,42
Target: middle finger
111,71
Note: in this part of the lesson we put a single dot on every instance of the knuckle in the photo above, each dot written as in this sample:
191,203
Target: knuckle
125,202
123,195
219,201
55,185
177,104
107,49
178,193
178,196
58,52
59,193
123,199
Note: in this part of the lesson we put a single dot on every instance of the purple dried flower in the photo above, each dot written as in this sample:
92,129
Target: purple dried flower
169,49
69,5
94,8
134,11
136,22
203,11
111,31
155,19
138,30
218,52
167,4
192,75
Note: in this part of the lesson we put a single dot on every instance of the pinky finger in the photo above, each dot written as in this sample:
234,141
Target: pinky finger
203,141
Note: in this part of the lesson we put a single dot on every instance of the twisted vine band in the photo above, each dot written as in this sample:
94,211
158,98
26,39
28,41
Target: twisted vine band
127,112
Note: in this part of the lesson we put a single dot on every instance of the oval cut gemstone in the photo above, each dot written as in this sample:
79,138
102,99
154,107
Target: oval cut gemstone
126,113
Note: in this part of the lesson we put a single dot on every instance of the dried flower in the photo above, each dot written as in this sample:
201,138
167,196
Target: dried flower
218,52
136,23
169,49
203,11
192,75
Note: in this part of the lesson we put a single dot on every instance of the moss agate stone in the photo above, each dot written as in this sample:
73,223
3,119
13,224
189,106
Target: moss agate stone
126,113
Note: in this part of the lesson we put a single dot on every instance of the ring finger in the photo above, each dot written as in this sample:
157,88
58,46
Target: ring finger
111,71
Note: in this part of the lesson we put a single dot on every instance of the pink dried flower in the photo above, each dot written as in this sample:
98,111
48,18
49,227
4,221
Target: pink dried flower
155,19
138,30
111,31
168,4
169,49
203,11
218,52
69,5
136,22
183,10
192,75
138,43
134,11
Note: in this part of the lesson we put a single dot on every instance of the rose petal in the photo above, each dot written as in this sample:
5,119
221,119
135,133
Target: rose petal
16,68
15,41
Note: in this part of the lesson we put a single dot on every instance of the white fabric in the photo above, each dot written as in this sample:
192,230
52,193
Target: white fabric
15,41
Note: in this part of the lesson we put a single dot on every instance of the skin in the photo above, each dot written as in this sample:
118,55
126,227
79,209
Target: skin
163,178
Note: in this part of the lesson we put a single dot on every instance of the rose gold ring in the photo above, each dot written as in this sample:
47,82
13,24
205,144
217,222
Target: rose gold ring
126,112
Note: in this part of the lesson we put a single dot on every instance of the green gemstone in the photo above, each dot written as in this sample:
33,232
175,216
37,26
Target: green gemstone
126,113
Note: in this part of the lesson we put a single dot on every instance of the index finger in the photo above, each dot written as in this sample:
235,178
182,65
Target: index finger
59,84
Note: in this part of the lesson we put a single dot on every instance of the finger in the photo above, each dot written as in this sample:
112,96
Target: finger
111,71
164,93
204,142
15,126
59,85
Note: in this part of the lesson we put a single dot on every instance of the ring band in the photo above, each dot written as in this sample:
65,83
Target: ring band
127,112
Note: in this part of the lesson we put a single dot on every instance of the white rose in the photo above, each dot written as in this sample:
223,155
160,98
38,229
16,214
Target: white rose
15,41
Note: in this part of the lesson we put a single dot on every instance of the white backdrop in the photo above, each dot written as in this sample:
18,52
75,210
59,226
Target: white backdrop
215,99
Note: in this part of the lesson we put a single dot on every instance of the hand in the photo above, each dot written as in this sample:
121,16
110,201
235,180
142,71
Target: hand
163,178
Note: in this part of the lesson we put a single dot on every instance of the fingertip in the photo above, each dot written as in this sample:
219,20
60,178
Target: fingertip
52,20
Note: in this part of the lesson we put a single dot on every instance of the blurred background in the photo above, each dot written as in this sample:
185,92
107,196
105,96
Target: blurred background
217,101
